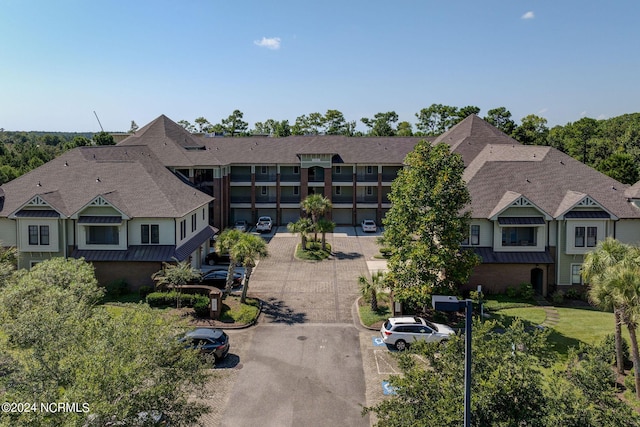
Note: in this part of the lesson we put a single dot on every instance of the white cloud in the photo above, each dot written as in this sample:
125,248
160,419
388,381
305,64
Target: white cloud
528,15
272,43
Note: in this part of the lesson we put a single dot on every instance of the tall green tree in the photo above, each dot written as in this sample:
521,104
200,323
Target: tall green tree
436,119
404,129
203,125
381,124
425,226
234,125
103,138
620,166
187,126
532,131
501,118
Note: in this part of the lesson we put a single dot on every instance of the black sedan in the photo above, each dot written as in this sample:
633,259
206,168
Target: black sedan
213,258
208,341
218,278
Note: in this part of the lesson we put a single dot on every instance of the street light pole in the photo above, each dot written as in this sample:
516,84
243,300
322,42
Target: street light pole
467,362
451,303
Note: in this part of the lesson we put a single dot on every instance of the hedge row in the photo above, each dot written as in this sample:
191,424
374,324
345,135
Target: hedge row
167,299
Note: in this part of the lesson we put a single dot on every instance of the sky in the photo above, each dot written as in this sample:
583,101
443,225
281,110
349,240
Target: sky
63,60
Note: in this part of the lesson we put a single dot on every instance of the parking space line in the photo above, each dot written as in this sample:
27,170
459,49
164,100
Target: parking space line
381,360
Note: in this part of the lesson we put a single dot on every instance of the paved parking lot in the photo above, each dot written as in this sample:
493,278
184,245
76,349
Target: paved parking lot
308,361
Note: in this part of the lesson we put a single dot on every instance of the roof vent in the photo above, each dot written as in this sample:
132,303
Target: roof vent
38,184
66,163
528,181
614,188
98,179
561,162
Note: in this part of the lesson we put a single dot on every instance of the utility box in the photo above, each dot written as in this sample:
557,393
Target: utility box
215,303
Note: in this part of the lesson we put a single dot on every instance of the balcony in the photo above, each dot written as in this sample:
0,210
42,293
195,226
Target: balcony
240,199
265,199
290,199
266,177
289,177
342,198
240,177
367,199
365,177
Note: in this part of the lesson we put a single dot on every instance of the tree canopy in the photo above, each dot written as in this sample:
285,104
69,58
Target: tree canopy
58,345
508,386
427,223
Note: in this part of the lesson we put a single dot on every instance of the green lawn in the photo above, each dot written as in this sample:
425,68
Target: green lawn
575,325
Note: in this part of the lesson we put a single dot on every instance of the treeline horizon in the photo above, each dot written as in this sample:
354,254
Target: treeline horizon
612,146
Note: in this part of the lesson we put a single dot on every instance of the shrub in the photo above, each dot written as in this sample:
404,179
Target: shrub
630,381
608,346
386,251
144,291
558,297
168,299
526,290
201,306
573,293
117,288
512,292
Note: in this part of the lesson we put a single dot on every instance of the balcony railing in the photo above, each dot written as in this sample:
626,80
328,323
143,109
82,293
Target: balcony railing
290,199
267,177
241,177
240,199
367,199
290,177
342,177
367,177
342,199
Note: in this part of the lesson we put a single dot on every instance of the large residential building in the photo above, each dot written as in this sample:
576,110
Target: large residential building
535,211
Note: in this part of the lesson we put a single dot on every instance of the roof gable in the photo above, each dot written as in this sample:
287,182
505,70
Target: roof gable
512,199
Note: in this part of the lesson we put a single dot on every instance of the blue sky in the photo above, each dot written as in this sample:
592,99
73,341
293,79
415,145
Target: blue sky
133,60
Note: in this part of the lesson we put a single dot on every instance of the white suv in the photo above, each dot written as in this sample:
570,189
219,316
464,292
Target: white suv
264,224
401,331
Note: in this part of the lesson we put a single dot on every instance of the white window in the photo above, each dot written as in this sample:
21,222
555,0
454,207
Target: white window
579,237
194,223
263,190
183,229
592,236
576,274
369,170
149,234
369,190
338,191
296,191
338,169
519,236
296,170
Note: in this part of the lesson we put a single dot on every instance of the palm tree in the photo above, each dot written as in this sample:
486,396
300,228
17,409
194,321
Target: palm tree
302,226
228,238
316,205
370,288
625,280
247,250
325,226
175,276
607,254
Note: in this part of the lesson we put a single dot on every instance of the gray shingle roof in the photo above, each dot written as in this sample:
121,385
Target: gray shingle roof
129,177
469,137
170,142
552,180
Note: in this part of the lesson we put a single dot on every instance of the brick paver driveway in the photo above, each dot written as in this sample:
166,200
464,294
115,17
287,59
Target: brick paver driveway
302,363
312,292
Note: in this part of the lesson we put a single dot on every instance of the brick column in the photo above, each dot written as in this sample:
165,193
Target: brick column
253,196
328,186
278,194
354,196
379,210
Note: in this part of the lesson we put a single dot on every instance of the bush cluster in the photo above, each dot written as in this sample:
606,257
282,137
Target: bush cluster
117,288
524,291
168,299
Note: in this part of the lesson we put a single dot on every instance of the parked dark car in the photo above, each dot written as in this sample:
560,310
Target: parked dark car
208,341
218,278
214,258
